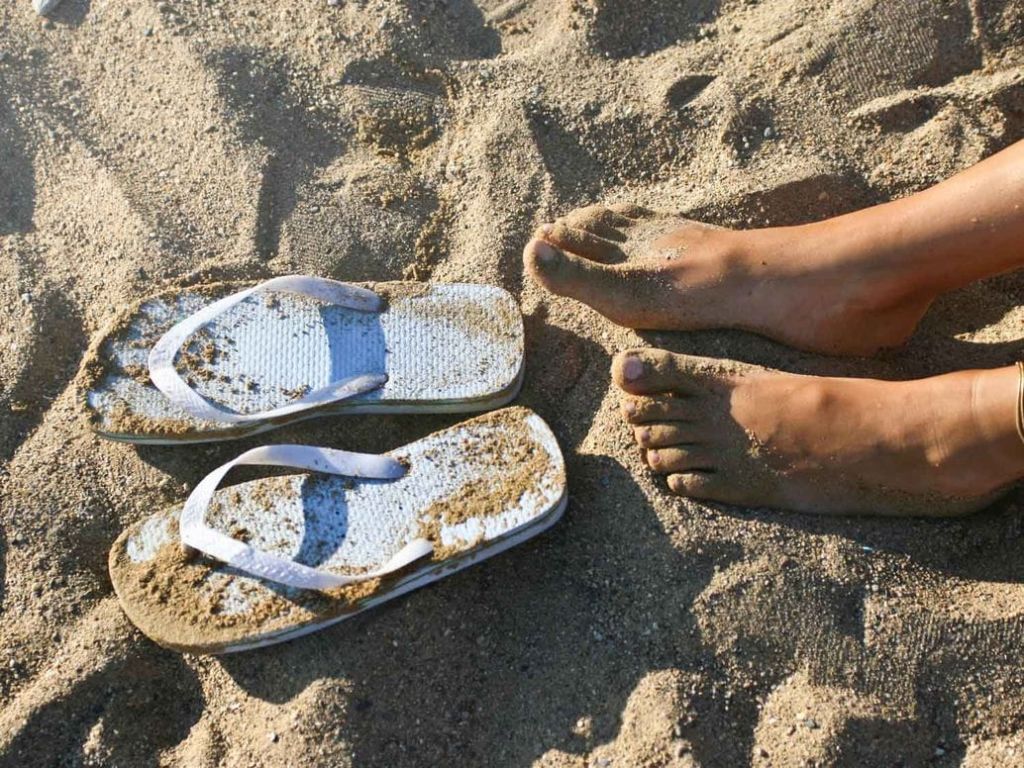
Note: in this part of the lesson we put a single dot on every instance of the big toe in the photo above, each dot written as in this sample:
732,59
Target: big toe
550,266
654,371
610,289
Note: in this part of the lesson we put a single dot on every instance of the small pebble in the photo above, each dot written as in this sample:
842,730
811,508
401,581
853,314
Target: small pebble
273,737
769,132
148,32
334,3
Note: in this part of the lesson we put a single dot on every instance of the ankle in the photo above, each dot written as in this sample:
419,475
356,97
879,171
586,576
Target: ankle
870,272
975,446
995,398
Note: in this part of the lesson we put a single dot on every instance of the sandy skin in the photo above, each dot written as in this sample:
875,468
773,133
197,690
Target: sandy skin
750,436
850,285
697,277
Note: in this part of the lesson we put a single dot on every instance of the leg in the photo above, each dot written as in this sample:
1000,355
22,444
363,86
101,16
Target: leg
848,285
741,434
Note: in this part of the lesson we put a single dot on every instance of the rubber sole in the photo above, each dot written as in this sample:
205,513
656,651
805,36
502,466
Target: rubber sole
467,406
415,581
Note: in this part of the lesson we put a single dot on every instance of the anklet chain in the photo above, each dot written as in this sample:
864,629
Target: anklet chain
1020,401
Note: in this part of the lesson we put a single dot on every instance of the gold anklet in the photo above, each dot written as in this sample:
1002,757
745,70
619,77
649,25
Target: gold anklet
1020,401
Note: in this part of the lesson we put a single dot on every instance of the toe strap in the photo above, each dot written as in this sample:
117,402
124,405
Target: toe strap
196,533
167,379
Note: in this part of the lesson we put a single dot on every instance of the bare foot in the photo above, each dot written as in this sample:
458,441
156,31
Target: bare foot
810,287
745,435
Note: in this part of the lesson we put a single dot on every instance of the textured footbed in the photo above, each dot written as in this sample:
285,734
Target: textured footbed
444,348
472,489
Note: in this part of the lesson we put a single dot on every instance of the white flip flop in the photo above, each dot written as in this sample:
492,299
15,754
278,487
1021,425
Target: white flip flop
43,7
272,559
216,363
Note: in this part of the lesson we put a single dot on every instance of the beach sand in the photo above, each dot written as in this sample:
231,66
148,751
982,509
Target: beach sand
144,144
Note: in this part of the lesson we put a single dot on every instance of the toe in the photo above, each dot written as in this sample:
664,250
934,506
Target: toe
679,458
551,267
662,435
601,221
708,486
648,371
581,242
651,371
631,210
610,289
642,410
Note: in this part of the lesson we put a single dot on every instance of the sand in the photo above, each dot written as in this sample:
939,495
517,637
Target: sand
144,144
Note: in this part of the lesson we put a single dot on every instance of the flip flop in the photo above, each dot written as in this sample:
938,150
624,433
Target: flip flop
177,368
272,559
43,7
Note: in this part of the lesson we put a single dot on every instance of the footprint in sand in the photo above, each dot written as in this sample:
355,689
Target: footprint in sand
942,124
656,728
803,723
103,695
850,46
620,29
342,188
40,337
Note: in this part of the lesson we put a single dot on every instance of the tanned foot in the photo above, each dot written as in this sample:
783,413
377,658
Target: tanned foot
811,287
749,436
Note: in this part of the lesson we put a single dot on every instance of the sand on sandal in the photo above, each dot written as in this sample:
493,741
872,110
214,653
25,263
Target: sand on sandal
151,144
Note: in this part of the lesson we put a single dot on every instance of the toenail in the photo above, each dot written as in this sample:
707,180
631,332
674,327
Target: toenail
632,369
629,407
645,434
547,229
545,253
653,457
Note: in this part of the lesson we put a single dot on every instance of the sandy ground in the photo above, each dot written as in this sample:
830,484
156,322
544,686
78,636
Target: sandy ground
145,142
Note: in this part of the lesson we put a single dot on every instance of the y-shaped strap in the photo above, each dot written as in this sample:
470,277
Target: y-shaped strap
166,378
197,534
